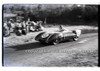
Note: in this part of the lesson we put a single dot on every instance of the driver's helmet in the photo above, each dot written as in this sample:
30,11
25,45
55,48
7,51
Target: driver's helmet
61,28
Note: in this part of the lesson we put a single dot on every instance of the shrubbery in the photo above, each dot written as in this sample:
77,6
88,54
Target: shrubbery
50,13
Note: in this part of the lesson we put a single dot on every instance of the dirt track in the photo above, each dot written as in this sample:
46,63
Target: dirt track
83,52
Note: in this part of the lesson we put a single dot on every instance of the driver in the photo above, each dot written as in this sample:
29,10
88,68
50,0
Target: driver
61,28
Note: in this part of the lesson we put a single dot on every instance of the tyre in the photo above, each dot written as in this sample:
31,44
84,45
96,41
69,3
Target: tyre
55,42
75,38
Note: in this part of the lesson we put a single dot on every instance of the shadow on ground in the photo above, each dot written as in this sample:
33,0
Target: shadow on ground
28,46
33,45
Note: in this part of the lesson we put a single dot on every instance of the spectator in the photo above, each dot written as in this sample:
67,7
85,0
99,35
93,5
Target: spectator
28,25
23,25
24,31
6,31
33,26
9,24
18,28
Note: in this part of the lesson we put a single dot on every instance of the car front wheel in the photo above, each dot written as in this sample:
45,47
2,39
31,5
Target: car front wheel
55,42
75,39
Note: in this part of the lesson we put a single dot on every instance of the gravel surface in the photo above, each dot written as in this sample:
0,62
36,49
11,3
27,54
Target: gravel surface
25,51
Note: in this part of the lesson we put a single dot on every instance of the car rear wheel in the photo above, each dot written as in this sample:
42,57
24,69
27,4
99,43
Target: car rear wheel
55,42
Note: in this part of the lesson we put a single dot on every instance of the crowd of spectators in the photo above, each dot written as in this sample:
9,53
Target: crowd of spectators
21,27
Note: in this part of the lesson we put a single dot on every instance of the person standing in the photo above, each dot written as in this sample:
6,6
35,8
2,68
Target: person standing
9,25
24,31
28,25
6,31
18,28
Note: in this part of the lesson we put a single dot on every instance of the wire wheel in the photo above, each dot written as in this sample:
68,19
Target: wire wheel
55,42
75,39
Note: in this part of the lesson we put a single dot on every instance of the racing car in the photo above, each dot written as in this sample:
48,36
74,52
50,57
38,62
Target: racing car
58,36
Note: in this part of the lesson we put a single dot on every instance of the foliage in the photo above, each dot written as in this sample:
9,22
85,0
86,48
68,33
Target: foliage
59,13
